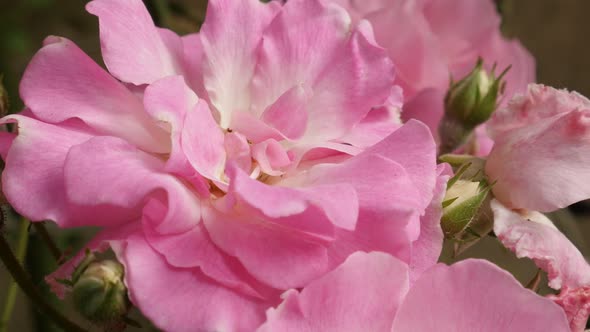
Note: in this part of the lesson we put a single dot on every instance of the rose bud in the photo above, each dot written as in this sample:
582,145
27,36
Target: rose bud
469,103
99,294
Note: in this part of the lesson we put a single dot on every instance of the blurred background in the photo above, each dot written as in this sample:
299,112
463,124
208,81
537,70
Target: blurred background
555,32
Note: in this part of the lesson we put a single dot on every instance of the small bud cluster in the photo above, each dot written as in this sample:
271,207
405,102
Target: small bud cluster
469,103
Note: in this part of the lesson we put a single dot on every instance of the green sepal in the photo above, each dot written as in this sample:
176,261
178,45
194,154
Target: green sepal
457,218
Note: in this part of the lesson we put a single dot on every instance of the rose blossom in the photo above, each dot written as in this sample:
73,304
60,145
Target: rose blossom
538,163
373,292
430,41
227,166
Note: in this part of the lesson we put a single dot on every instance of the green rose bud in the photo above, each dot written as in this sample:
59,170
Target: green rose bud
466,194
462,203
99,293
469,103
466,216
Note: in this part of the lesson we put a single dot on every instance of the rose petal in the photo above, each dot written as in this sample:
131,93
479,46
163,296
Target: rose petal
194,248
413,147
203,142
132,47
362,294
540,157
475,295
278,256
62,82
158,288
427,248
168,101
33,180
230,37
126,177
346,80
534,236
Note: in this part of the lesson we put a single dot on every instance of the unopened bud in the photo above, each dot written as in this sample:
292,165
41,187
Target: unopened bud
466,197
99,293
469,103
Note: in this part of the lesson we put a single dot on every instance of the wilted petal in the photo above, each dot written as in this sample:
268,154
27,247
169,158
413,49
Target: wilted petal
532,235
576,304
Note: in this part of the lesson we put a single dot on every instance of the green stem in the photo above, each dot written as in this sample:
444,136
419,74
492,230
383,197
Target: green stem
46,238
21,251
26,284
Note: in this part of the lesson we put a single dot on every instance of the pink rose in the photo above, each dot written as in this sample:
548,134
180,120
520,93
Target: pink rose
228,166
431,40
373,292
539,163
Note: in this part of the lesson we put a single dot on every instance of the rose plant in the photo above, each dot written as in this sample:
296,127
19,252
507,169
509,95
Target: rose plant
271,172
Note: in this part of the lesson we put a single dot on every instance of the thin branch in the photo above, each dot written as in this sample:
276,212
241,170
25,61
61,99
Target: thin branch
21,251
28,287
46,238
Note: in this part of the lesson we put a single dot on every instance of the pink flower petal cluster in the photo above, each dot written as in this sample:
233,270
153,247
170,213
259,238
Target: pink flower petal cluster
432,40
539,163
228,166
373,292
